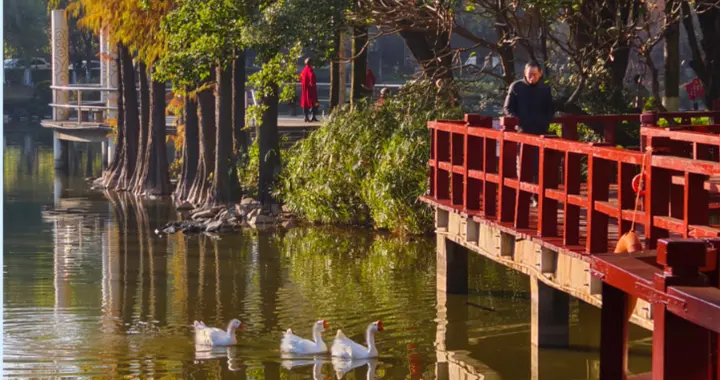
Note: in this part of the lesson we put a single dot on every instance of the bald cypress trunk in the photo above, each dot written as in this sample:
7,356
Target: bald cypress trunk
132,125
223,188
189,150
206,138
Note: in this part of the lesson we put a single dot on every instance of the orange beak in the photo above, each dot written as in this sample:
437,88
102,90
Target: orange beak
380,326
325,325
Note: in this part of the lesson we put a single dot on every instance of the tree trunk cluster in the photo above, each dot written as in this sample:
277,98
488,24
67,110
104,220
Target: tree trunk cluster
214,136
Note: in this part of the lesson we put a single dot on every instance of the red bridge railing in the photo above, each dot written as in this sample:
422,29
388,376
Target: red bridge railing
584,191
569,123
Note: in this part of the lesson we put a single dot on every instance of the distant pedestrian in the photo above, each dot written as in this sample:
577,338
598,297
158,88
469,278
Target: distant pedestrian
640,94
530,101
308,96
384,93
370,81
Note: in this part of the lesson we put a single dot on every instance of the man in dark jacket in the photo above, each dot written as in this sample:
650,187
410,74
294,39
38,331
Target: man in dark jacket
530,101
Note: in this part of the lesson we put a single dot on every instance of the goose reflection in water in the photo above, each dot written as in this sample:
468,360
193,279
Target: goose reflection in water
343,366
317,364
203,353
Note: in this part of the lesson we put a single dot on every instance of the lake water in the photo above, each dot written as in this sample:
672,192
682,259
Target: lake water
91,290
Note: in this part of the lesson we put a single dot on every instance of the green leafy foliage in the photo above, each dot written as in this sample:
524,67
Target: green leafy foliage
368,165
25,25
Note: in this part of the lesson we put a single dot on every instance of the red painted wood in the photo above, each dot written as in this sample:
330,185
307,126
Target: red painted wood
457,158
522,198
571,227
433,154
474,159
549,178
609,132
681,349
696,200
656,203
490,189
508,169
613,333
598,190
626,195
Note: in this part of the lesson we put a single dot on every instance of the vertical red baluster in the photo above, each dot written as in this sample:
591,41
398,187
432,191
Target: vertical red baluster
457,146
571,227
657,203
609,132
508,169
570,128
490,189
522,198
696,201
442,177
626,195
598,190
548,179
433,159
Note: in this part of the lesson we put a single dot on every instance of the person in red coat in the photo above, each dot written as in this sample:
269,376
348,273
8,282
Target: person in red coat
369,81
308,96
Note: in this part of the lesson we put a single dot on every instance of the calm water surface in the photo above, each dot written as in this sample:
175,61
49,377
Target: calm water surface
91,290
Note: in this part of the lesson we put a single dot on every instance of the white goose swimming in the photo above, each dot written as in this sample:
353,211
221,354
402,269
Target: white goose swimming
213,336
293,344
346,348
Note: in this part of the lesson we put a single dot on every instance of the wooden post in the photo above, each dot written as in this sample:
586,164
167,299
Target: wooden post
508,169
613,333
598,190
657,203
571,227
548,178
442,156
457,160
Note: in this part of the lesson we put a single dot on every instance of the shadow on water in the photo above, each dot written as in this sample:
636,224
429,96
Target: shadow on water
91,290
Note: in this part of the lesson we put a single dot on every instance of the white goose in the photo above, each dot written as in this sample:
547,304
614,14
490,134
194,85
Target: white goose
213,336
345,348
293,344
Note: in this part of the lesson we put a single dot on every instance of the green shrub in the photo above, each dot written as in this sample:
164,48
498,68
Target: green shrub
367,165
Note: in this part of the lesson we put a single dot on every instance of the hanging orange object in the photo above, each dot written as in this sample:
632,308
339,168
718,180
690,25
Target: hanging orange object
628,243
636,184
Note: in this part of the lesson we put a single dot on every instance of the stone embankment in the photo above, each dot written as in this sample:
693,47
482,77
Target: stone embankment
249,213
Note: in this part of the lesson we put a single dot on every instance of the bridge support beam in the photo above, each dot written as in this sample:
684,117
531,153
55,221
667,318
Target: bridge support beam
452,266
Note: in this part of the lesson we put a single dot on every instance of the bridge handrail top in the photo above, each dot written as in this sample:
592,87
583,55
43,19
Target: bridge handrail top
82,106
83,88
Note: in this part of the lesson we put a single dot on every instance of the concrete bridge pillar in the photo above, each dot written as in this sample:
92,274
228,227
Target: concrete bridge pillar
112,77
103,62
549,315
549,321
60,62
109,151
60,152
452,266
